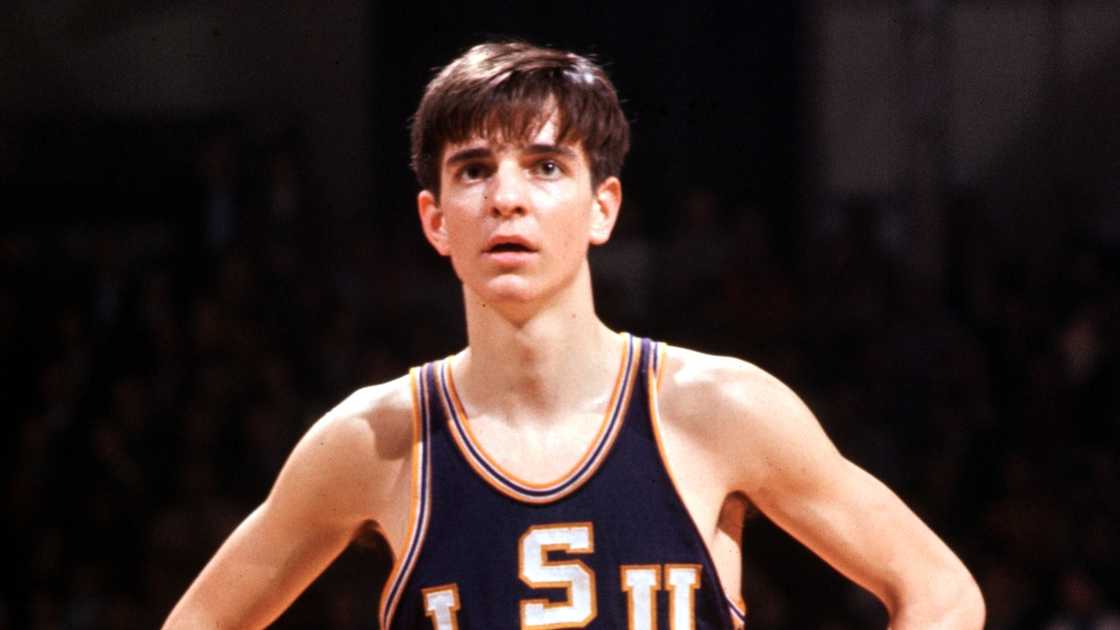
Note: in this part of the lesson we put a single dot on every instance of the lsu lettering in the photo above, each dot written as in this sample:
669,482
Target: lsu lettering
539,571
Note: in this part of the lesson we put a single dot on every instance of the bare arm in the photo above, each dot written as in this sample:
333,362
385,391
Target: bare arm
339,478
783,461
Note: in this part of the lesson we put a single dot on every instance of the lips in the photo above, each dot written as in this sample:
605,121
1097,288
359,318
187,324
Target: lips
509,251
506,244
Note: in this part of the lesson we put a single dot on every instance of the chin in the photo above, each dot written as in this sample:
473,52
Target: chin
510,290
510,294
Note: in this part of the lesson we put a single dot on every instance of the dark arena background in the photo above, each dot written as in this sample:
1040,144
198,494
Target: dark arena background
909,211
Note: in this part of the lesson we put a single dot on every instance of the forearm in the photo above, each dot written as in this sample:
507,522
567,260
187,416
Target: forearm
235,588
876,541
259,570
185,617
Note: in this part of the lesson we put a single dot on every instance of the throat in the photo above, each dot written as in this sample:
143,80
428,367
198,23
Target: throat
540,373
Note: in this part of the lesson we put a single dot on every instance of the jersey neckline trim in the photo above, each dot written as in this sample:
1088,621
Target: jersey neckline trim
528,492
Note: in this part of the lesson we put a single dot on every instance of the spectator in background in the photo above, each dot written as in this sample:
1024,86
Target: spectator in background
1082,607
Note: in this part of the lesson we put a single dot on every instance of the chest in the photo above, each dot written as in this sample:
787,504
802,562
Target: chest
599,538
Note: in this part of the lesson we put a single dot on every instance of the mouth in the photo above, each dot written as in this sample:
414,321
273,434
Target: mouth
509,244
511,251
502,248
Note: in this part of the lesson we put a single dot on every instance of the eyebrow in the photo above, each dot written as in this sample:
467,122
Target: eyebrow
476,153
551,149
466,155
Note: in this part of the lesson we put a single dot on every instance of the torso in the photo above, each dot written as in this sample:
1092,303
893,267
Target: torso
473,494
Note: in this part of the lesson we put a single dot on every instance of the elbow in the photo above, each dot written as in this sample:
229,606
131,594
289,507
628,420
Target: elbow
978,610
953,602
968,611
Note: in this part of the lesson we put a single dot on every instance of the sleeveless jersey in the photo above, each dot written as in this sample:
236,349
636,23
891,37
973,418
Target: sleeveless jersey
610,545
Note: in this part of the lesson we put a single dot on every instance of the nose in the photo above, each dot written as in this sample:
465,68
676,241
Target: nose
507,192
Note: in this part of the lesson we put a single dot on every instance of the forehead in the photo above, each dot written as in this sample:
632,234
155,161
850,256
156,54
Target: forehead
543,135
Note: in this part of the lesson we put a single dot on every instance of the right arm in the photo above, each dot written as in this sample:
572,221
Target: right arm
344,475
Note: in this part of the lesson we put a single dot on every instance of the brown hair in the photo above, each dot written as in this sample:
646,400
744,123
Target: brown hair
510,90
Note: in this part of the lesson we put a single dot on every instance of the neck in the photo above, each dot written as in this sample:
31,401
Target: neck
537,360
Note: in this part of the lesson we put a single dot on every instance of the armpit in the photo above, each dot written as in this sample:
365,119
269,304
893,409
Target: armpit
733,513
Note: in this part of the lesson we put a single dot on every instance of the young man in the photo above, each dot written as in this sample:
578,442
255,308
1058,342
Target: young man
556,473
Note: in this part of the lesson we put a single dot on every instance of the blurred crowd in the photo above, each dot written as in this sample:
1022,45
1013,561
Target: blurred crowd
157,372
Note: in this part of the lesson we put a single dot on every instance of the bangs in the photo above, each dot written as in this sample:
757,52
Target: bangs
506,93
515,112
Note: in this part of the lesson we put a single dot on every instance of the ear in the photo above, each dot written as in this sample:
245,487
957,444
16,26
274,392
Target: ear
604,212
431,220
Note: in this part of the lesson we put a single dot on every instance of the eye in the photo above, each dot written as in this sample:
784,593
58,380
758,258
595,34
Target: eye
549,169
473,171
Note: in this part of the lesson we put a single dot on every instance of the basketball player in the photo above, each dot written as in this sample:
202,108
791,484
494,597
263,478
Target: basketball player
556,473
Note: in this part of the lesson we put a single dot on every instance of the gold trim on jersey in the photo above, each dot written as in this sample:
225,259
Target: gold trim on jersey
659,367
738,613
656,376
419,503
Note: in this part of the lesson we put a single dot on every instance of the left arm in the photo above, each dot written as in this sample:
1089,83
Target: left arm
780,457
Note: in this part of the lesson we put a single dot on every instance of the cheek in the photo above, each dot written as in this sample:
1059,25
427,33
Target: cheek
462,223
458,244
575,235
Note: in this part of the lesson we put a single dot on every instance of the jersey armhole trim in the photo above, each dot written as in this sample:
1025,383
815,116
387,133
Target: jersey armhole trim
659,365
738,612
419,499
655,376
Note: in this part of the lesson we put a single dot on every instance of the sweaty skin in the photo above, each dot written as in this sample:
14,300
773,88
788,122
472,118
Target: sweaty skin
516,220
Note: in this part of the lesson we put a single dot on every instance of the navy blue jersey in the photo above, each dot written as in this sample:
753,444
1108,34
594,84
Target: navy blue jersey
609,545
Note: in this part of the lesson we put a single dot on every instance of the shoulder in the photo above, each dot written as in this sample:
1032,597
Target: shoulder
694,382
377,417
347,461
740,415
